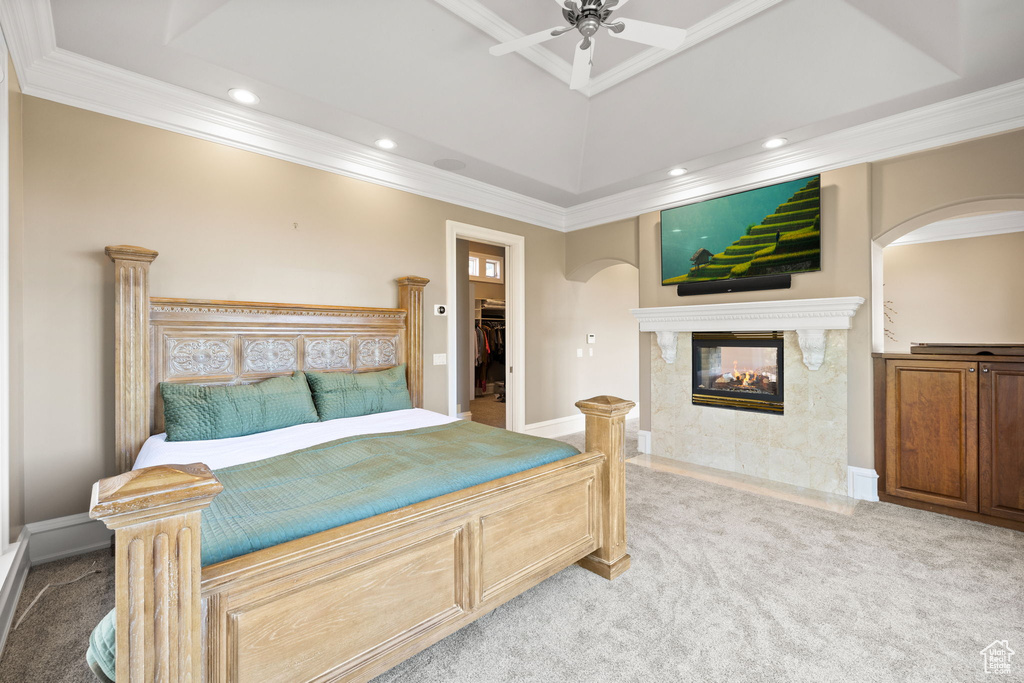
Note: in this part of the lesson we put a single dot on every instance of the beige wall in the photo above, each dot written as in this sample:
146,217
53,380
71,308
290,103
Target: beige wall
234,225
966,290
16,485
980,175
845,271
589,251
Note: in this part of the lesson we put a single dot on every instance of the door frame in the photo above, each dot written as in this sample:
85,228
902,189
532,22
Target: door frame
515,316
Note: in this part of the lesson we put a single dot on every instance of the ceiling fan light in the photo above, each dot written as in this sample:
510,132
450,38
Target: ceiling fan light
386,143
774,143
676,172
243,96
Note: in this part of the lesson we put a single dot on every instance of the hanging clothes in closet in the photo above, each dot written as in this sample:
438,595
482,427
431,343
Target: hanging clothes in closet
490,353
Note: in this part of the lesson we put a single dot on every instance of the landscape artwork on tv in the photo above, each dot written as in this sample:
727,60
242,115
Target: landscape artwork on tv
768,231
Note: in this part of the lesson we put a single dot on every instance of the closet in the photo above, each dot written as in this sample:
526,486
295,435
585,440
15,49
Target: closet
489,348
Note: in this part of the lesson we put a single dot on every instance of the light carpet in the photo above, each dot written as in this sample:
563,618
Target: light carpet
725,586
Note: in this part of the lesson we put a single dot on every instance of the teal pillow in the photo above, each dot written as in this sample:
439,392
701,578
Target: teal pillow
345,394
193,412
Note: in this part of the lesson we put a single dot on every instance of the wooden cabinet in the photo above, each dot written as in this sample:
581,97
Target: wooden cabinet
950,434
1001,442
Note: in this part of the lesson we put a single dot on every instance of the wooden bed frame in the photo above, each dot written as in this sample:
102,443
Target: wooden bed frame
351,602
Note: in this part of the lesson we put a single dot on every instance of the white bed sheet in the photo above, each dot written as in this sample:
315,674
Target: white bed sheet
218,453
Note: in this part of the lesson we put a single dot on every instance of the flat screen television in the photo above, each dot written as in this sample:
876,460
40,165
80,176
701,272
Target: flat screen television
768,231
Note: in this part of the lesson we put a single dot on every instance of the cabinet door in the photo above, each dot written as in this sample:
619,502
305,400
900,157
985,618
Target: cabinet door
1001,444
932,432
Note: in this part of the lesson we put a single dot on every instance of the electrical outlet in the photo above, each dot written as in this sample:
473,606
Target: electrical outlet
579,353
440,359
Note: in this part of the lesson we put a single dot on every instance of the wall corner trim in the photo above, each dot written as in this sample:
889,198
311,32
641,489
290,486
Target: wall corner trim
55,539
643,441
862,483
563,426
14,566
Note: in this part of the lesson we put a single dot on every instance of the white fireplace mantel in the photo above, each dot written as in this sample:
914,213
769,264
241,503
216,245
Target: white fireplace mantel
809,318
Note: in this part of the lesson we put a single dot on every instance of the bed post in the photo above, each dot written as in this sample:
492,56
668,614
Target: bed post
154,513
131,351
410,297
606,432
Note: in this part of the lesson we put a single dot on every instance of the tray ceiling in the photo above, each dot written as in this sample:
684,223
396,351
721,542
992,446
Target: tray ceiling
419,71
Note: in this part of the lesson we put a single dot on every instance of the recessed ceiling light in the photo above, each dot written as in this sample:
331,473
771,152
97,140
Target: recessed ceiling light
774,143
386,143
243,96
676,172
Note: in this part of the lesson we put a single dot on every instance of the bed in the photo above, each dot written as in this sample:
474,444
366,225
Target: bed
347,602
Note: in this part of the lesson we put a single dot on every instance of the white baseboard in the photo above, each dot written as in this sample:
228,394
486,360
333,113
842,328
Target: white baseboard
15,570
54,539
468,415
643,441
862,483
562,426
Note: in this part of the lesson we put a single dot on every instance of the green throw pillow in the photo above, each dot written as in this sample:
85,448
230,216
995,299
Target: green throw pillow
345,394
193,412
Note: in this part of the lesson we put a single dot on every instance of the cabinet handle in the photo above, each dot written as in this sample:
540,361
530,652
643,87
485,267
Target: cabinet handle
984,369
971,370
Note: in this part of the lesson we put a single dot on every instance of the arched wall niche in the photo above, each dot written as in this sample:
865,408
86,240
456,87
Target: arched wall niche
584,272
977,206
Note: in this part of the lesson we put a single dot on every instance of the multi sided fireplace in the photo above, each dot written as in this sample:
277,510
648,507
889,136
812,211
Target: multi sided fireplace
738,370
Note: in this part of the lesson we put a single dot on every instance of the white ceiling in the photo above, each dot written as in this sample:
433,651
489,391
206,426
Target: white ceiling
419,71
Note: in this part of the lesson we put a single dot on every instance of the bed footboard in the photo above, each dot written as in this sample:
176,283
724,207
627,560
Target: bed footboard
606,432
351,602
154,513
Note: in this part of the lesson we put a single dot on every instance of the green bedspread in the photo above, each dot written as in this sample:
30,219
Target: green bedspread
289,496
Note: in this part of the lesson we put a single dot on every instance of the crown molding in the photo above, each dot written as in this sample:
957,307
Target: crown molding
986,112
51,73
493,25
967,226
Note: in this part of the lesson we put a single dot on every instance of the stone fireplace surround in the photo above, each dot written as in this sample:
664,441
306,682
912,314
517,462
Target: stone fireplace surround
806,446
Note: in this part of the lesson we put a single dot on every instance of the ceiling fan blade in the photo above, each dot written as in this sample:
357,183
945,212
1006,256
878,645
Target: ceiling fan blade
614,4
527,41
657,35
581,65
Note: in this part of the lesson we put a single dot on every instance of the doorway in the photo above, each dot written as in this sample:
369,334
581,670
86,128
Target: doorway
485,330
482,359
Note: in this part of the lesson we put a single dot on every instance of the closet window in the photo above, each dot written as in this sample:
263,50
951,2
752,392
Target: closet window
485,268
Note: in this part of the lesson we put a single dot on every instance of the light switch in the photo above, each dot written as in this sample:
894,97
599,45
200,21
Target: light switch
579,353
591,353
440,359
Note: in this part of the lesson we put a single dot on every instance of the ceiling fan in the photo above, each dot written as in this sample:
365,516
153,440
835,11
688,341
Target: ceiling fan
587,16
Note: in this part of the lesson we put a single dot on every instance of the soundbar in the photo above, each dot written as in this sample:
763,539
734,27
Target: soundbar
747,284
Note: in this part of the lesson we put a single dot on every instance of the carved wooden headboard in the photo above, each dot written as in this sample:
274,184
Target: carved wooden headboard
235,342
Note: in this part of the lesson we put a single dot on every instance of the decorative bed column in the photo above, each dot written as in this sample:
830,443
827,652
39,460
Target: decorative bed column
606,432
131,351
410,297
155,513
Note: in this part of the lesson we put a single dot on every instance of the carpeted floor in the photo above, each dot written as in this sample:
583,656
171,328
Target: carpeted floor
488,411
725,586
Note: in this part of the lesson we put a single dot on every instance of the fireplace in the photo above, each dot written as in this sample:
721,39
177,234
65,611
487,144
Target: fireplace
738,370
